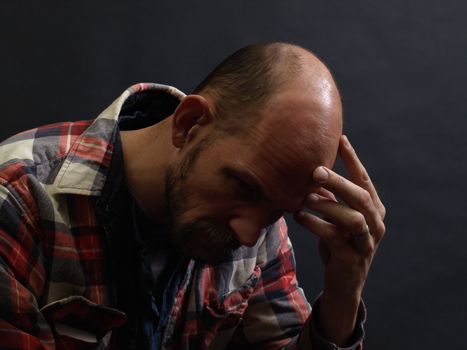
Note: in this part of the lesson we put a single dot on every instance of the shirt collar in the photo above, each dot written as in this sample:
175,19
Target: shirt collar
84,169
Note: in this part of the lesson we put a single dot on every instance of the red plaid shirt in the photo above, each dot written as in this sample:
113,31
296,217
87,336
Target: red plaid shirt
56,284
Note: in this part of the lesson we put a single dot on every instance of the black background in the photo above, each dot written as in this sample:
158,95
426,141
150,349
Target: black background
401,67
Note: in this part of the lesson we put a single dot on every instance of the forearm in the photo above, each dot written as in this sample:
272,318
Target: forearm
338,317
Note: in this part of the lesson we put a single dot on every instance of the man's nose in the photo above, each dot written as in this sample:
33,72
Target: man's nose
247,228
247,231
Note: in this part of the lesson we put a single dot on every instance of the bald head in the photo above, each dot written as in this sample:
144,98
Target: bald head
248,80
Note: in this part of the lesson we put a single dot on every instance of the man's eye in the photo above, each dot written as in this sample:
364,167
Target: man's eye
245,186
246,190
240,188
242,184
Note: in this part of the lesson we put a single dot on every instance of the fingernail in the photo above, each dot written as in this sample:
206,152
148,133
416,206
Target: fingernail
313,197
320,174
300,214
346,141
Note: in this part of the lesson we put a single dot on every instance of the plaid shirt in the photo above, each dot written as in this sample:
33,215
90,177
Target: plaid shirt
57,287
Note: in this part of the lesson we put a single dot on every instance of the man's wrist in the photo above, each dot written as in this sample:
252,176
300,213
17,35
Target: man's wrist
338,316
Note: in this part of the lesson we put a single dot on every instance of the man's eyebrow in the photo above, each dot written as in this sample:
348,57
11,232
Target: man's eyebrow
253,184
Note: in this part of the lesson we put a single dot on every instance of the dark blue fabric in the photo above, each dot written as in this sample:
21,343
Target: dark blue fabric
161,271
146,269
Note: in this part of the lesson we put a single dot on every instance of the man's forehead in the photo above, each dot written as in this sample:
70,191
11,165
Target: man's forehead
296,144
285,153
302,113
281,175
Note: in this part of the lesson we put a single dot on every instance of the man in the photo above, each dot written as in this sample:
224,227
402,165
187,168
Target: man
159,224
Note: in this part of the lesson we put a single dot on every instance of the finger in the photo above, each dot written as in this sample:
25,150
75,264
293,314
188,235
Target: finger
355,196
327,194
347,218
323,193
321,228
333,235
358,173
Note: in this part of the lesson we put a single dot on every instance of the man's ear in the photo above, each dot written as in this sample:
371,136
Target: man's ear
192,111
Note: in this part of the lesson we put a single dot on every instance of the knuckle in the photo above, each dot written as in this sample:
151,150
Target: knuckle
367,250
365,199
382,211
380,229
371,250
358,222
364,177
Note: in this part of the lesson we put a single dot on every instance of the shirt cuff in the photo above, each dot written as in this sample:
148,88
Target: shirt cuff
311,339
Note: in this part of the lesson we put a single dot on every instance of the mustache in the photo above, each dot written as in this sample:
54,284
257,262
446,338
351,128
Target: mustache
205,240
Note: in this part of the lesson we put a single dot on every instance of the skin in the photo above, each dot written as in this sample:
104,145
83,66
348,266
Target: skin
244,183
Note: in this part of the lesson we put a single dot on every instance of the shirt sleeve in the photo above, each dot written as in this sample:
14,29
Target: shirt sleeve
278,315
22,275
310,337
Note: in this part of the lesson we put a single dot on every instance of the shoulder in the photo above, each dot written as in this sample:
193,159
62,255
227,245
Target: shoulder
29,162
40,145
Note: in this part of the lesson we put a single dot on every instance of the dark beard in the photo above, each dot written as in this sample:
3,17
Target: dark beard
202,240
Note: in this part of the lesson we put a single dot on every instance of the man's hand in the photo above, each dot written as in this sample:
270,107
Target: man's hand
349,235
